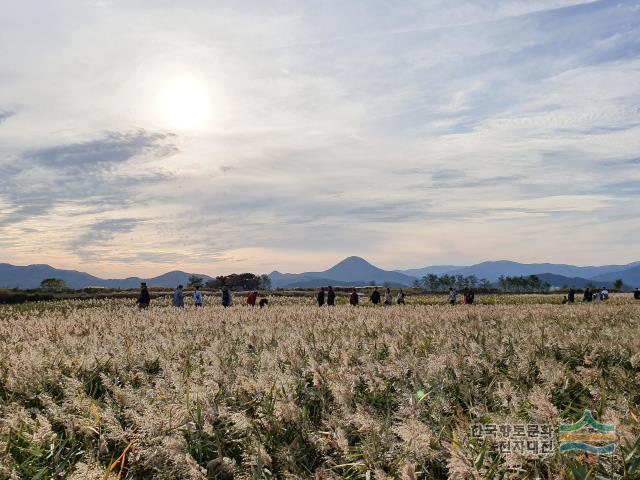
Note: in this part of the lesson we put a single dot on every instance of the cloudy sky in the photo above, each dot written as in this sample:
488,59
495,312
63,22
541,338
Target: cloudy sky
138,137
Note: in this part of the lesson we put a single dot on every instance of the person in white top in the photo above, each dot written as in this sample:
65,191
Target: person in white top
452,296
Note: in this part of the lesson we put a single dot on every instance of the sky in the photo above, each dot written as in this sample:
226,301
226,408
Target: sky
138,137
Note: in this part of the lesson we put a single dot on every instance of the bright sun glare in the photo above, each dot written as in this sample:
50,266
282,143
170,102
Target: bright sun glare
184,103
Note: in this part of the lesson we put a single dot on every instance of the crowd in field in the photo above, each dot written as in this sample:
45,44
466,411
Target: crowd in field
328,297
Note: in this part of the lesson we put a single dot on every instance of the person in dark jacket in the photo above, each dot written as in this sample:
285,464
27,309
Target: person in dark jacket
353,299
321,297
572,295
471,297
226,297
144,299
178,297
400,298
636,294
331,297
375,296
588,296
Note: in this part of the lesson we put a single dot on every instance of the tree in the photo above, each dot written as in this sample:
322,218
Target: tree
447,281
417,283
431,282
216,283
53,284
265,282
238,281
195,281
618,284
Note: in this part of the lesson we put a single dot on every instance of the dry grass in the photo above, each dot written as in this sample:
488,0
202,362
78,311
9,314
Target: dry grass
97,389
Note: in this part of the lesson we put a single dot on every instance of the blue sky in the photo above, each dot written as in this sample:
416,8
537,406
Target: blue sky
137,137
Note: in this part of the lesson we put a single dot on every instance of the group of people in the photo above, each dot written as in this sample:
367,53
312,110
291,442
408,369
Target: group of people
354,299
144,298
329,297
178,297
589,295
468,297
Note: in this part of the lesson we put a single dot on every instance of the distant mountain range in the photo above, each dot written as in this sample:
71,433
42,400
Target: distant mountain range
352,271
30,276
356,271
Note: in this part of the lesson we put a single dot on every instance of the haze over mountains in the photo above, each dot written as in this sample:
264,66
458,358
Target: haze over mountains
352,271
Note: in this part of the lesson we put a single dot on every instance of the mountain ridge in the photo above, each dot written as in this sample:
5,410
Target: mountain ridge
30,276
351,271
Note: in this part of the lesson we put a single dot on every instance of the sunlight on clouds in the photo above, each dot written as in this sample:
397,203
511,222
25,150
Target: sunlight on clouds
184,103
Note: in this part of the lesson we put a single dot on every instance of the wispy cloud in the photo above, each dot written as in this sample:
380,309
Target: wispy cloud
5,115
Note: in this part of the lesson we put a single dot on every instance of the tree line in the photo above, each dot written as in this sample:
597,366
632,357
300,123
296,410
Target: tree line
441,283
235,281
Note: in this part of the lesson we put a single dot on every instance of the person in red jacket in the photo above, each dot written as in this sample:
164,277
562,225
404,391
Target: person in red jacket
251,299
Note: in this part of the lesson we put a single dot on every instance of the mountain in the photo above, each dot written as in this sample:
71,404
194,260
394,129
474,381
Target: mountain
436,269
560,281
492,270
30,276
350,271
629,276
12,276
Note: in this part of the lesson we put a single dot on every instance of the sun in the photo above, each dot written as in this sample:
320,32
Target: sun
184,103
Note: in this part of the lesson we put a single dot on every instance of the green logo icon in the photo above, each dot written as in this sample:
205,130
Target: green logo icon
588,435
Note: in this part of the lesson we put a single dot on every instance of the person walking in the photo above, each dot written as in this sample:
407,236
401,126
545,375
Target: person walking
388,299
251,299
452,296
178,297
226,297
471,297
572,296
400,298
636,294
587,296
375,296
197,296
331,297
353,299
144,299
604,294
321,297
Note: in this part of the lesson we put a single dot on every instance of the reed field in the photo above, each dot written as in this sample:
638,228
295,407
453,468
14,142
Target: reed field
97,389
